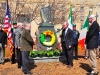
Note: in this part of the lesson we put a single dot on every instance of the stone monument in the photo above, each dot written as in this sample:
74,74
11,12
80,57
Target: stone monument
46,25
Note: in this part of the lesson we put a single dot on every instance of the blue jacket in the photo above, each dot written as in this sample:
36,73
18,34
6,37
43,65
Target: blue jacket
76,36
99,39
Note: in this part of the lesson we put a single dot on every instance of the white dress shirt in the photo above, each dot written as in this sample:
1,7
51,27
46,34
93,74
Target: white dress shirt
66,31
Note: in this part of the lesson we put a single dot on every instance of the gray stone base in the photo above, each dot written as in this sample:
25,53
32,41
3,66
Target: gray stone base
47,59
43,27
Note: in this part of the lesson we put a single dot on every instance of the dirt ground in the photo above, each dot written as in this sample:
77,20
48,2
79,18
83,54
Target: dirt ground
80,67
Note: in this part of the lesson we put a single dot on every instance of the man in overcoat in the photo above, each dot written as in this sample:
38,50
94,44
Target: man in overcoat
26,46
18,33
92,43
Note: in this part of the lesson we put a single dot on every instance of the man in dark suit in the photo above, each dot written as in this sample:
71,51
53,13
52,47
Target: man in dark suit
13,36
26,46
3,44
67,44
92,43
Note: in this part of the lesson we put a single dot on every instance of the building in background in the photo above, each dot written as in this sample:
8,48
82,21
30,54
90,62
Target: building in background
29,11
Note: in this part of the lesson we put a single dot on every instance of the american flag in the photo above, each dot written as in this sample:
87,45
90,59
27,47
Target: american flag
7,27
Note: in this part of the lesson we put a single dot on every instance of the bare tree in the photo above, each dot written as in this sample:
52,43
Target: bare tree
30,10
2,12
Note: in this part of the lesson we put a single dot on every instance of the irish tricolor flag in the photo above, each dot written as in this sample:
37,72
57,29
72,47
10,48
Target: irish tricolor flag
70,18
83,34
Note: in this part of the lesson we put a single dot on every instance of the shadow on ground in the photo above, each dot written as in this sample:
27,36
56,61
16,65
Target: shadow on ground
32,65
86,67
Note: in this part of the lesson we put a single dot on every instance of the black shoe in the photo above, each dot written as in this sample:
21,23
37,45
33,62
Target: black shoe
13,62
67,63
19,66
3,63
94,73
28,72
89,71
69,66
76,58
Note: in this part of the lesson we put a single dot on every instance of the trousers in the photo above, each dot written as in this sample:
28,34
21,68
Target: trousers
25,61
93,60
2,52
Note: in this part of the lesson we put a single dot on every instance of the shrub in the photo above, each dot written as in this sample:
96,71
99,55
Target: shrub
40,53
56,52
49,53
45,53
33,54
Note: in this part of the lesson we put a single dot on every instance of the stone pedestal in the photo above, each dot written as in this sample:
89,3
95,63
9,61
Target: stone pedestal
43,27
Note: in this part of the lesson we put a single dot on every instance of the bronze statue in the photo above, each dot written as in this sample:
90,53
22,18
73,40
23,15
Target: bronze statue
46,13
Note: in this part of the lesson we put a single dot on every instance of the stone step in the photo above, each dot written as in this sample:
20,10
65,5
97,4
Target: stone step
46,59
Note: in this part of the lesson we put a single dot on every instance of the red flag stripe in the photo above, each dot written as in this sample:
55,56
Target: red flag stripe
7,28
6,18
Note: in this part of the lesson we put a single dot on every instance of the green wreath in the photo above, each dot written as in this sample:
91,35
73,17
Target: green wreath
44,35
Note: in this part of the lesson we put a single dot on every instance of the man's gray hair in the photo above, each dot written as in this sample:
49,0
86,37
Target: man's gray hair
20,23
92,16
26,24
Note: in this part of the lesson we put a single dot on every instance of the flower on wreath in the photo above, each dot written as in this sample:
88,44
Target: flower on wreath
43,36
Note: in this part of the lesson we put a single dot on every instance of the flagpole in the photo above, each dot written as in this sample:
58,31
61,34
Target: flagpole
96,16
7,1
